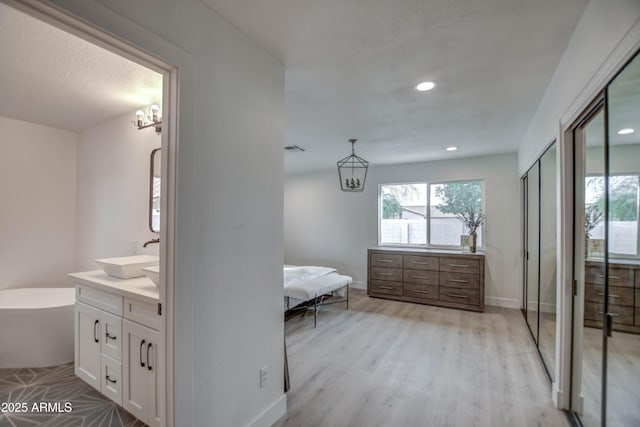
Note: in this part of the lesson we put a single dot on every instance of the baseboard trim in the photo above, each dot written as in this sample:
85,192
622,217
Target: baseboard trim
502,302
358,285
271,414
556,395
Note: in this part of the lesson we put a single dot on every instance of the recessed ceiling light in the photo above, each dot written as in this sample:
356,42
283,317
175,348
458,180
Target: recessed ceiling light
424,86
625,131
452,148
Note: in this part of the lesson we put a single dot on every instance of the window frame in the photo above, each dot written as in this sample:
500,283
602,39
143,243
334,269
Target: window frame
428,184
615,255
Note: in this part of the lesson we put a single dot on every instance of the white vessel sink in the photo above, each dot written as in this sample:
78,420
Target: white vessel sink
153,273
127,267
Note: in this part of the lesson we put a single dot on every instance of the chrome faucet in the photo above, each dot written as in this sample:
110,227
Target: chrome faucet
150,242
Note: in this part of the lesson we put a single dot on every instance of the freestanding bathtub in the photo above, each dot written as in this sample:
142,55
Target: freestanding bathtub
36,327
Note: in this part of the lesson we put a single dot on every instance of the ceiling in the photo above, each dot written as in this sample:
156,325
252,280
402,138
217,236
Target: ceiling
51,77
352,66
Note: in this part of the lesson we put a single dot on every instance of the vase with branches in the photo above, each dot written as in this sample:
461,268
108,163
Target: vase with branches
473,220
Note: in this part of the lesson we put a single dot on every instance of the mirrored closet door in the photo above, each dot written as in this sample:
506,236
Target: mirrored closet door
606,324
540,213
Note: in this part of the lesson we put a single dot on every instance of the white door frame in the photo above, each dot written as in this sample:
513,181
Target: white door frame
149,56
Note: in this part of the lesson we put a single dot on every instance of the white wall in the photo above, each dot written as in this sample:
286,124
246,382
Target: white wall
228,295
325,226
601,28
38,191
113,165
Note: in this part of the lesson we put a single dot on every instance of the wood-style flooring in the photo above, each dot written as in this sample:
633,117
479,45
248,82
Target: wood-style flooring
388,363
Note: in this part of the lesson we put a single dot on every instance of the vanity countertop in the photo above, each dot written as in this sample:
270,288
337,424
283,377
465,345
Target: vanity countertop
141,288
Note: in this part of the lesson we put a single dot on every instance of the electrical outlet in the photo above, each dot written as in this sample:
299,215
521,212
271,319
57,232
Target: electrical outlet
133,247
264,376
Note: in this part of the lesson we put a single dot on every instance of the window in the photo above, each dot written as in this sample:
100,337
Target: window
623,212
424,214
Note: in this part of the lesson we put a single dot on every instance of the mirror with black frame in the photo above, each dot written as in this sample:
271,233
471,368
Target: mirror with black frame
154,191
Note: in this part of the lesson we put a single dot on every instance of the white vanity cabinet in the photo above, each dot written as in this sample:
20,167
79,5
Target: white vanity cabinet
117,341
141,373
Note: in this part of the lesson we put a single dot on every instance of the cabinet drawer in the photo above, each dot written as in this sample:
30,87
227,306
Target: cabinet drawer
617,276
421,262
461,296
386,260
459,280
460,265
111,382
638,296
420,291
391,274
421,277
617,294
622,315
387,288
103,300
142,312
111,340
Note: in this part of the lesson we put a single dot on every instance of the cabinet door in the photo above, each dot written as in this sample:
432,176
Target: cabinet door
140,372
87,344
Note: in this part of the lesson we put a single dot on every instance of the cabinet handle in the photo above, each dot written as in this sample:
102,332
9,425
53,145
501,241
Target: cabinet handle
459,265
385,287
95,334
458,296
149,346
110,380
610,277
418,291
419,263
458,281
142,345
385,274
111,337
420,277
385,260
610,314
601,294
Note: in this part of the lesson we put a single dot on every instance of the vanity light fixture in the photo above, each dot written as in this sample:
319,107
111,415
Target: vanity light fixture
352,171
425,86
152,120
451,148
625,131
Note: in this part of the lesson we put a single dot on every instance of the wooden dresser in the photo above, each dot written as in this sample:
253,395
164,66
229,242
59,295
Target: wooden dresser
624,295
444,278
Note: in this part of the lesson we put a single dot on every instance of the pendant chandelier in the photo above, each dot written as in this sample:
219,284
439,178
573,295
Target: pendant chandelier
352,171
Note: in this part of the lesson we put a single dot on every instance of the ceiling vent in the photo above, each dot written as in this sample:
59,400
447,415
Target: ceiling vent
293,148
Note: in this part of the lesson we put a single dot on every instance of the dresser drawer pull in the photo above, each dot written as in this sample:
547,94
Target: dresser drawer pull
420,277
458,281
458,296
385,287
385,274
611,314
386,260
601,294
610,277
420,262
459,265
418,291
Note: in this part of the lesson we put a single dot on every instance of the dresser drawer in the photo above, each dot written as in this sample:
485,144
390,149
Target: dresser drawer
638,296
421,277
391,274
420,291
386,288
461,296
103,300
421,262
459,280
622,315
617,294
617,276
460,265
385,260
